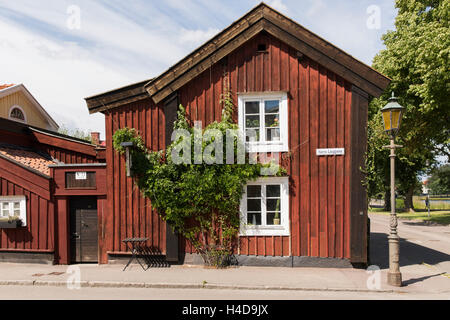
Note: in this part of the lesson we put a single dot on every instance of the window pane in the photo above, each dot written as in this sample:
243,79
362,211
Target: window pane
273,205
272,121
252,135
17,209
252,107
272,106
252,121
17,114
270,217
253,205
273,190
4,209
253,191
273,134
254,218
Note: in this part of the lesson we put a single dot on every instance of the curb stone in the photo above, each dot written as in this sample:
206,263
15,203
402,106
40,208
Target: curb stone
112,284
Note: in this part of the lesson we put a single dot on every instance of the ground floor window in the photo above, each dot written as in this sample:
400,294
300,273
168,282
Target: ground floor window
265,207
13,206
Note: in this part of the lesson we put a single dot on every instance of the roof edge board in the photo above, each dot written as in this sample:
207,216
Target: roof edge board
208,61
273,22
218,41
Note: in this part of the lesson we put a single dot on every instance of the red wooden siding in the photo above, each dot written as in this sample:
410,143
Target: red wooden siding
319,117
68,156
320,105
129,214
38,235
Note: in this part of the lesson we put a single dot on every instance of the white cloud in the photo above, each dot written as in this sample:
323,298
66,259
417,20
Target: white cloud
197,37
124,42
59,75
278,5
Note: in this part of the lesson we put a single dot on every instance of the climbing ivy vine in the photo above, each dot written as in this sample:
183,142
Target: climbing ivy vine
200,201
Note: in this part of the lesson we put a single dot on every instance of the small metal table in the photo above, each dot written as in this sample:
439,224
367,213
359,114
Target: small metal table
137,246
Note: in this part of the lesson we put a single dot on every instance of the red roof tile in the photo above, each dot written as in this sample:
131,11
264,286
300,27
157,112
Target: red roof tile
30,159
4,86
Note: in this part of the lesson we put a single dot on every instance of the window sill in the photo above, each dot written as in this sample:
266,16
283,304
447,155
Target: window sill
267,147
264,231
12,225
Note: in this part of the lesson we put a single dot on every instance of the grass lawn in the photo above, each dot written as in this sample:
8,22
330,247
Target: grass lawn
441,217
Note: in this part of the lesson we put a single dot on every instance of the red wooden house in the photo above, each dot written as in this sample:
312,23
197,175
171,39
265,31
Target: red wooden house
275,68
39,187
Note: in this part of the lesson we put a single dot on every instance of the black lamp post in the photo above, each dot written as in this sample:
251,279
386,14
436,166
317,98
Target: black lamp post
392,117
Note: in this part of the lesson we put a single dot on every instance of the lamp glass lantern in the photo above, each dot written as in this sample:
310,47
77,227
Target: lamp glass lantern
392,116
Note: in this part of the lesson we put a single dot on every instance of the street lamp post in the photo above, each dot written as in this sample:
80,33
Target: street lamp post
392,116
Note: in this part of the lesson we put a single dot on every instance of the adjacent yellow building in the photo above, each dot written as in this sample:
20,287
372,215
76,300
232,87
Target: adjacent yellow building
18,104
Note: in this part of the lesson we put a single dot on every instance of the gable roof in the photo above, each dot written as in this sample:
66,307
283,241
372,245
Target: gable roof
117,97
10,89
261,18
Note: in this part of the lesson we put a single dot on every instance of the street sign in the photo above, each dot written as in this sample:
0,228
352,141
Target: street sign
330,152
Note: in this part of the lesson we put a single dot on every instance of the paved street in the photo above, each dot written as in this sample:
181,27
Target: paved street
62,293
425,266
420,245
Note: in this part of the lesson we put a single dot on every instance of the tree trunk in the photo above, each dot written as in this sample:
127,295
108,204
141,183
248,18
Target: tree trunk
387,200
409,205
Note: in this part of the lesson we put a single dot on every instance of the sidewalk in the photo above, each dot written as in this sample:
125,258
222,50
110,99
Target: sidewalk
195,277
424,260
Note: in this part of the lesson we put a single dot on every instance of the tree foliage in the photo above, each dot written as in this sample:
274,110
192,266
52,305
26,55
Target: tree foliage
76,133
416,58
439,182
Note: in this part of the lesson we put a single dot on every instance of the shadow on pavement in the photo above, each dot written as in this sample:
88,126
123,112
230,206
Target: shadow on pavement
411,281
410,253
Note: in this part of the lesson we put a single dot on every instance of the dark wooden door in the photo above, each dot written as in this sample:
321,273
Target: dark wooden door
84,230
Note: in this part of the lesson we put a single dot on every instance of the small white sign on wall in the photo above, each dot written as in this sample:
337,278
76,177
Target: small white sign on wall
330,152
80,175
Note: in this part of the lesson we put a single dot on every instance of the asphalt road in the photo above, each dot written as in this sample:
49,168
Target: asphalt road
420,244
62,293
424,260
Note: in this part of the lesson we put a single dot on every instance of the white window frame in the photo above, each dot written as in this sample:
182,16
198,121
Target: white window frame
265,146
10,200
267,230
15,119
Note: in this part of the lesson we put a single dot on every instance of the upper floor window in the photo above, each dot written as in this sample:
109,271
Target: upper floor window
263,119
17,113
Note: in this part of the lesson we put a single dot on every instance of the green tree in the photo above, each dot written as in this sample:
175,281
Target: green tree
416,58
76,133
439,182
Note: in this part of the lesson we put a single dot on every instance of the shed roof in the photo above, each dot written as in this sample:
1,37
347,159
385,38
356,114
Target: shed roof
31,159
261,18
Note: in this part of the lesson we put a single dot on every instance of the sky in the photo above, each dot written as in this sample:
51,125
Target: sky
64,51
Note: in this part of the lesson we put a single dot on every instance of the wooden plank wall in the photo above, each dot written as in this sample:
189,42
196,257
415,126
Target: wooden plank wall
68,156
129,214
319,117
38,235
358,202
320,104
